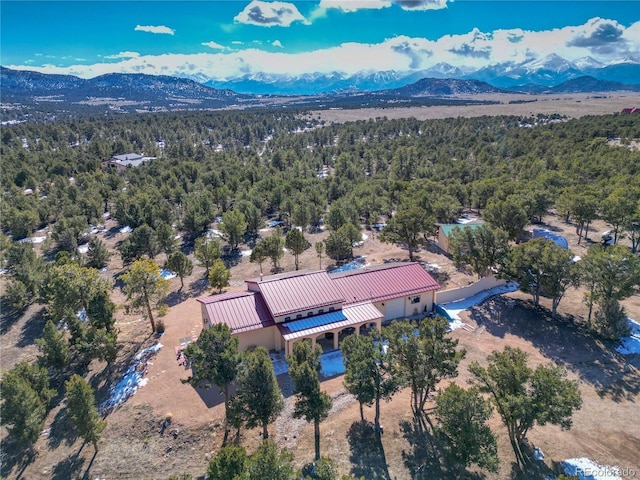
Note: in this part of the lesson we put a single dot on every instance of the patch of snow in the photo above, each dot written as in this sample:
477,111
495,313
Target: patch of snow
586,469
82,315
538,454
126,229
167,275
548,234
576,258
464,220
454,308
131,380
631,344
430,267
32,240
212,232
83,248
246,253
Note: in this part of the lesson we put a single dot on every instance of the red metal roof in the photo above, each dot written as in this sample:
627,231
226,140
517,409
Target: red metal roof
242,311
298,291
384,282
356,314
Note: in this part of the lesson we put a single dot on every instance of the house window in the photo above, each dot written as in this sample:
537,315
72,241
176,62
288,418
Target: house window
415,299
286,319
331,309
310,314
299,316
321,311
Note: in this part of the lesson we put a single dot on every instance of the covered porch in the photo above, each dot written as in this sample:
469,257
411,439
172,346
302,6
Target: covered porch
331,327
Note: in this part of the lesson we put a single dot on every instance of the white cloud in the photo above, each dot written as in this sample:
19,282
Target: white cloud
421,4
214,45
277,43
354,5
270,14
124,55
161,29
402,53
237,42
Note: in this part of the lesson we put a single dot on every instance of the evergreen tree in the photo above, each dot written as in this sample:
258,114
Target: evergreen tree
53,348
206,252
319,246
219,275
272,463
372,364
97,255
82,410
258,391
311,403
234,226
462,417
422,356
542,268
25,398
524,397
295,243
145,288
357,350
230,463
180,264
215,360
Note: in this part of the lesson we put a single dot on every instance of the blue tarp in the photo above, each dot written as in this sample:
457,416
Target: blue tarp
315,321
557,239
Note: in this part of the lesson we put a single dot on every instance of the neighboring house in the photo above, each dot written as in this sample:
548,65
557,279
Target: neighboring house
278,310
445,230
122,162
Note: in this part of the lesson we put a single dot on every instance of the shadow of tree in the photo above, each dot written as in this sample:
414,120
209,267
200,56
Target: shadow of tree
423,459
564,342
198,287
9,316
32,329
174,298
61,431
367,453
14,457
68,468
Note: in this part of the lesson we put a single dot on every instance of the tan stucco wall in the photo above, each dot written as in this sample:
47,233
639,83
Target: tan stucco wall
426,300
269,338
443,242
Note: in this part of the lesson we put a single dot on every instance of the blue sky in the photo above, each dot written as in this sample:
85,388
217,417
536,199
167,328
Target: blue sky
230,38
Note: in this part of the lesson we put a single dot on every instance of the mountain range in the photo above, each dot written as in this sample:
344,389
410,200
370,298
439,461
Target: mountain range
546,72
441,83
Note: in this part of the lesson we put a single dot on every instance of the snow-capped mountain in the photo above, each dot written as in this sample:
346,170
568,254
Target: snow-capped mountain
547,71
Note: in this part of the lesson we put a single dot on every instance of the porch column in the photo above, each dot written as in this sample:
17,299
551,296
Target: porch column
335,339
313,342
358,329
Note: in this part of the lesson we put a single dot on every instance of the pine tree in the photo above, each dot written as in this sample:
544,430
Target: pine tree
215,360
258,391
82,410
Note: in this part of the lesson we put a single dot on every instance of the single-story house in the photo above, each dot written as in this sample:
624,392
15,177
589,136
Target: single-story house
121,162
277,310
445,230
